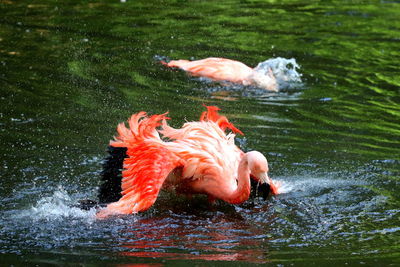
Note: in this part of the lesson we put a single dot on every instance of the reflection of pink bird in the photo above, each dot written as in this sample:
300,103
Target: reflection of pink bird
222,69
199,158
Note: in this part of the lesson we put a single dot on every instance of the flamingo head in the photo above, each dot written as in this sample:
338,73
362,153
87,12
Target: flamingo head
258,166
264,78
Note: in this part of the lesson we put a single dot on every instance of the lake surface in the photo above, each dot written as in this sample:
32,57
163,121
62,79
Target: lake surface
70,71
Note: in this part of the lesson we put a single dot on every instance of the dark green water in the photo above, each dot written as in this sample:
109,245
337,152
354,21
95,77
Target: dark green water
71,70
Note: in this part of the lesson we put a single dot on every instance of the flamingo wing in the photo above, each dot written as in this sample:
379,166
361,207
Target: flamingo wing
145,171
147,166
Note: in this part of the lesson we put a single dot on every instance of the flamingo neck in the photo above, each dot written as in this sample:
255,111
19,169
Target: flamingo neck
248,80
242,191
263,80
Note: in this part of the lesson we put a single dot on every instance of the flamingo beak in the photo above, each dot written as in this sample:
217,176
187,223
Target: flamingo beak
264,178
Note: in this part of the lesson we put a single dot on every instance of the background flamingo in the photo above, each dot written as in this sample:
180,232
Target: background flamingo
222,69
199,158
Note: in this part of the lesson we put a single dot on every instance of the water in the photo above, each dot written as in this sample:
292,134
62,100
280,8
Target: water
70,71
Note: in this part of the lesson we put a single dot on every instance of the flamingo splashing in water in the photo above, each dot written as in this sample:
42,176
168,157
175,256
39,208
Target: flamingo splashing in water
199,158
271,74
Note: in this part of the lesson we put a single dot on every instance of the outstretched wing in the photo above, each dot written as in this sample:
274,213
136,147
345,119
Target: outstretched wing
145,171
147,165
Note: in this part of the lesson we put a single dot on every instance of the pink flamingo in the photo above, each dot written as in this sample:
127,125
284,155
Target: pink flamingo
199,158
222,69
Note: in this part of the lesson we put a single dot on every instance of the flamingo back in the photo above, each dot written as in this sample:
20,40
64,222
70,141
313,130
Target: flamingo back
207,152
220,69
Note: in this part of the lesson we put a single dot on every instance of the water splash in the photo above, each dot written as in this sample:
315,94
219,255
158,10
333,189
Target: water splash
311,185
284,71
58,206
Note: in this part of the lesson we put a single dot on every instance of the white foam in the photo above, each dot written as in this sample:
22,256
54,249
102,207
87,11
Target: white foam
57,206
311,183
283,69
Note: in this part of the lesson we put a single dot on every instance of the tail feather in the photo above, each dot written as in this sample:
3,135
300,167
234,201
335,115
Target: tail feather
176,63
212,115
